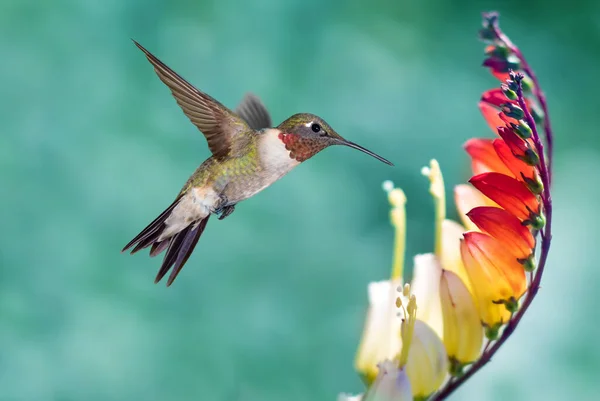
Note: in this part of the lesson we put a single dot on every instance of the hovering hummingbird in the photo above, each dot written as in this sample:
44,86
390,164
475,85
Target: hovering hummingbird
247,157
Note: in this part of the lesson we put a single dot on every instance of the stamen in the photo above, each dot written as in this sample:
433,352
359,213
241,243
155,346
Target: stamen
397,200
436,189
407,330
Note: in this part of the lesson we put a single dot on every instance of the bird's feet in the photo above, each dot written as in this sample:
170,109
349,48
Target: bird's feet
225,211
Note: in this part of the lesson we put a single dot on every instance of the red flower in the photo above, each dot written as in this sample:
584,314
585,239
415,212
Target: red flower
510,194
505,228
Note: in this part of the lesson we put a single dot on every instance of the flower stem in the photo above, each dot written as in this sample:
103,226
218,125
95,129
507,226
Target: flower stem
546,232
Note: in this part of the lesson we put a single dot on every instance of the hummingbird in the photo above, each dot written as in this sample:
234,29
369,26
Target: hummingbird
248,155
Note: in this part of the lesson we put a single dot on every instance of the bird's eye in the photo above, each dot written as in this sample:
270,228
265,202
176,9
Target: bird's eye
316,127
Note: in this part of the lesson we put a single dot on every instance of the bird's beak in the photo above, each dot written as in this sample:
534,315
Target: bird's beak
353,145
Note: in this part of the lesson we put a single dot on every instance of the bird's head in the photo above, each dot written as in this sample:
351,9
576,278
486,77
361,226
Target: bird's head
305,135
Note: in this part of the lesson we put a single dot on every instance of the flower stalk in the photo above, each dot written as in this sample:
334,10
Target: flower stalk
518,84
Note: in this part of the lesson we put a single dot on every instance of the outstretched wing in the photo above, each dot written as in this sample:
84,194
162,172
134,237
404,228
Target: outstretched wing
255,113
222,128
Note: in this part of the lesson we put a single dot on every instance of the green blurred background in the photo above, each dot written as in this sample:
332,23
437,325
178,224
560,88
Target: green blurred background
271,304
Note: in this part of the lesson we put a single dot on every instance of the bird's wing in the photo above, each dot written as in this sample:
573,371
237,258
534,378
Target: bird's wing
222,128
252,109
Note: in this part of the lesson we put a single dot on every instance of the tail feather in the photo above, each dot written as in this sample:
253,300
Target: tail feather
158,247
172,252
189,243
181,246
151,233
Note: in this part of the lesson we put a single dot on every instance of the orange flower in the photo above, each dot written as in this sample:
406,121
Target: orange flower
518,167
505,228
486,249
518,146
510,194
484,157
497,278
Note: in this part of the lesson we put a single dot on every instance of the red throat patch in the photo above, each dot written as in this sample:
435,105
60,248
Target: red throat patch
300,148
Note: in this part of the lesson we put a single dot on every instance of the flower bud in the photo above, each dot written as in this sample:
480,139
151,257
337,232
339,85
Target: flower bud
492,332
512,85
509,93
527,84
535,184
512,305
530,157
528,263
512,110
463,334
536,221
522,129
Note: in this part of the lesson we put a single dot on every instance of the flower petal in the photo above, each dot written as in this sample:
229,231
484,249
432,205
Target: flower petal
518,167
462,329
510,194
490,106
466,198
381,338
427,364
391,384
425,286
491,115
484,157
506,228
492,256
518,146
450,259
495,97
488,287
501,76
508,120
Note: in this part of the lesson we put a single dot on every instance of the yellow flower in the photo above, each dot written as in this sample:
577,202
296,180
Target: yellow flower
381,335
497,276
462,335
423,354
427,364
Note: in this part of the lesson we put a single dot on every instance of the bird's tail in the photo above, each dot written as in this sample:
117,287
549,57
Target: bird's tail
179,246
